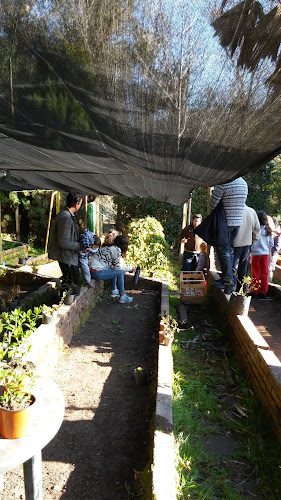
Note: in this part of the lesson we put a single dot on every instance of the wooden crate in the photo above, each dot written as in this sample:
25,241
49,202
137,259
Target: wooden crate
192,287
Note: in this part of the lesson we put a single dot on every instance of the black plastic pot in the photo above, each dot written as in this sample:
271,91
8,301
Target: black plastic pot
140,376
14,304
239,303
228,288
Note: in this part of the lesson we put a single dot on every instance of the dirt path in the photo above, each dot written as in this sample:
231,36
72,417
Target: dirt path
106,436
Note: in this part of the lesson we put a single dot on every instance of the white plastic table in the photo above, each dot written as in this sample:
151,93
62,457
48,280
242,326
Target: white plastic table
47,417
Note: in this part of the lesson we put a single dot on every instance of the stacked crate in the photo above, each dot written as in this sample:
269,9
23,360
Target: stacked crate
192,286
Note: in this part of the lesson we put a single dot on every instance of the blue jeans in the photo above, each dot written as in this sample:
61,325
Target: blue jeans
84,265
111,274
189,261
241,262
225,255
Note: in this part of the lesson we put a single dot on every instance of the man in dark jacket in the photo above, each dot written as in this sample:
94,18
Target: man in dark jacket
192,244
64,239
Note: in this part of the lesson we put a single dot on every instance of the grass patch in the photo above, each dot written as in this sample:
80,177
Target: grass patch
205,406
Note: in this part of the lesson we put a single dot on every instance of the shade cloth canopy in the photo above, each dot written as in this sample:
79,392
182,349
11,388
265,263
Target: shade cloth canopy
137,98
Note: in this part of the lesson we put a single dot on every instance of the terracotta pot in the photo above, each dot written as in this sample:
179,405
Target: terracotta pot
161,336
167,340
14,423
140,376
163,326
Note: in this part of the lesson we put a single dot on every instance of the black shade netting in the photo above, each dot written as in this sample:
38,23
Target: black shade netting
137,98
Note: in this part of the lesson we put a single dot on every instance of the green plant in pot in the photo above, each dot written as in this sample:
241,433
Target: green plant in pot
48,313
240,301
228,287
140,375
170,327
69,296
16,401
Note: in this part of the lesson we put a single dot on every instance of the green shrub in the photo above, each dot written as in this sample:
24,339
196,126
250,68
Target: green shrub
15,329
148,247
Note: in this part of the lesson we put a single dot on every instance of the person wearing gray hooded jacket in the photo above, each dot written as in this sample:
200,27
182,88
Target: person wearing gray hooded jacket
64,243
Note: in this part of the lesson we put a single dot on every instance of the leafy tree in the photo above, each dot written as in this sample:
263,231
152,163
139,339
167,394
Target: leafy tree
275,188
259,185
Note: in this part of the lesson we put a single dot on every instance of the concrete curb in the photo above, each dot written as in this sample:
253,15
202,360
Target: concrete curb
164,472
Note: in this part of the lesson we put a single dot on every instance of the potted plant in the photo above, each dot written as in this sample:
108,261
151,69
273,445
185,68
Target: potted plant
140,375
16,401
47,314
168,327
228,287
13,298
240,301
69,296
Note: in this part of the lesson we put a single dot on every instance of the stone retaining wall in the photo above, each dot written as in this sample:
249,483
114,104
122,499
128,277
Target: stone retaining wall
261,364
48,341
21,249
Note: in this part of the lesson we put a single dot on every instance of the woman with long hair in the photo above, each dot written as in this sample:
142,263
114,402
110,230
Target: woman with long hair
108,263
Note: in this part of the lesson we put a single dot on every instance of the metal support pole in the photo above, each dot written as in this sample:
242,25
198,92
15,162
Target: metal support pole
32,469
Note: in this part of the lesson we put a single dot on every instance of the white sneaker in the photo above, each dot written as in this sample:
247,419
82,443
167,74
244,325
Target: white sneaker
115,293
125,299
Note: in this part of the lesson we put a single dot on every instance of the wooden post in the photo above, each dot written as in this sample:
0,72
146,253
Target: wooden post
186,219
1,248
97,218
86,211
32,469
189,211
50,217
210,264
17,217
183,224
57,201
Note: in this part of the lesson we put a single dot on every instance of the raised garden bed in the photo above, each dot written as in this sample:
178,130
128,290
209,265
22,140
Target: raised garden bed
29,289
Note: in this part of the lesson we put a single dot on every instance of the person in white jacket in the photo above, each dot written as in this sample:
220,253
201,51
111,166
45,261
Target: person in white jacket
108,264
260,257
247,235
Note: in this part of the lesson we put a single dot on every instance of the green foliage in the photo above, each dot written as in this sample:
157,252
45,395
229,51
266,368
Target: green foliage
15,383
15,330
275,188
168,215
259,185
37,214
148,248
199,202
55,105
